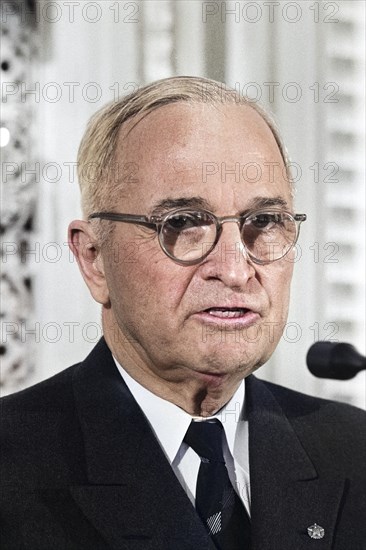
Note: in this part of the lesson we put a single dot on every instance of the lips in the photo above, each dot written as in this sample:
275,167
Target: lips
227,313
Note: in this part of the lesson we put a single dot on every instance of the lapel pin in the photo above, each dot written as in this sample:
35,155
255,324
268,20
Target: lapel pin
316,532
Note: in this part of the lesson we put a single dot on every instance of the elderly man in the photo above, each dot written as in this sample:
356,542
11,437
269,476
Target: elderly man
162,439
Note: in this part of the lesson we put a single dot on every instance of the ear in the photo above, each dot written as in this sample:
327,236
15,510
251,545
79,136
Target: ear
83,244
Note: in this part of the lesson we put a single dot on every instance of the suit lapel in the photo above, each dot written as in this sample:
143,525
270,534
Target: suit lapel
287,494
133,497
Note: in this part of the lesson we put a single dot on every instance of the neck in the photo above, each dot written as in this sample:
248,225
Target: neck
193,394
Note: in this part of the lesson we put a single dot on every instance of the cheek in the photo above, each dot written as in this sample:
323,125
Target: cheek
152,285
277,284
169,282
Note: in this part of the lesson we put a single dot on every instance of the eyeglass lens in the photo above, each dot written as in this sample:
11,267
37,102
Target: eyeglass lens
190,236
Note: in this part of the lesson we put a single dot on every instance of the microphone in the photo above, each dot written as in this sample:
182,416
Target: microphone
336,360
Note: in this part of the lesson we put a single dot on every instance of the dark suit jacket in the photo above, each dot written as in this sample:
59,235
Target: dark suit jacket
81,469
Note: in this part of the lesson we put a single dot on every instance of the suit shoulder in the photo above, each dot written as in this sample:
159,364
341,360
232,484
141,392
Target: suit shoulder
333,433
46,393
298,404
329,428
39,408
41,437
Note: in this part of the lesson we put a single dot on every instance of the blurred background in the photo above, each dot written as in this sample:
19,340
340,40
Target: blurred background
62,60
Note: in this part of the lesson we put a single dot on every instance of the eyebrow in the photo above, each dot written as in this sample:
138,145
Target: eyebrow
180,202
268,202
257,203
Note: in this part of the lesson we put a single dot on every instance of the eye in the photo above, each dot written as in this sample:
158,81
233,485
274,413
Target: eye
266,220
186,221
180,222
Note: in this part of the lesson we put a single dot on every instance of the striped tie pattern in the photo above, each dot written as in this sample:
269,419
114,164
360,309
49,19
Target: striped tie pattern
217,504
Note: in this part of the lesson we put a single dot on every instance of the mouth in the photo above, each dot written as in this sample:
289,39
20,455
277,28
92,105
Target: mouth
226,313
228,316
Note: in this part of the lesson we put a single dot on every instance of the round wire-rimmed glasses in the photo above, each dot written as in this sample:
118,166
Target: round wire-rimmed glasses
188,236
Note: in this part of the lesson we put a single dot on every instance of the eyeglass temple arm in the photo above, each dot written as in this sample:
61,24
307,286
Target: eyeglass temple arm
127,218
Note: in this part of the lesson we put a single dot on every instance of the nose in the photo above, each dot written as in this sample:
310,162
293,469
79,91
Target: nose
229,261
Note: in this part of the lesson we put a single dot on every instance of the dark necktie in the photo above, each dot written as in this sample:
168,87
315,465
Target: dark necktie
217,504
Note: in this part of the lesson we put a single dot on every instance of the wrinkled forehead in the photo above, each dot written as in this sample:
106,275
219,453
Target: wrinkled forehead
238,124
187,148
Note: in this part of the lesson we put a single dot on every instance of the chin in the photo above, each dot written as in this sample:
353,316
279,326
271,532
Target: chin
225,362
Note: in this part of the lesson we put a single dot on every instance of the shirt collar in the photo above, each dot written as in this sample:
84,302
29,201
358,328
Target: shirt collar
170,423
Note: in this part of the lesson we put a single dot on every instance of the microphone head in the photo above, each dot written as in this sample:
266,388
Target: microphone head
339,361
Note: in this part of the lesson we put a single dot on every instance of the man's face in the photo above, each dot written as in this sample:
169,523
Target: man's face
171,318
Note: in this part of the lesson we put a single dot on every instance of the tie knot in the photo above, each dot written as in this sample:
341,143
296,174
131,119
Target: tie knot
205,438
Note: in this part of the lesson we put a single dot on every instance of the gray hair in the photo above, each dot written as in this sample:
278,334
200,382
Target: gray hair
97,148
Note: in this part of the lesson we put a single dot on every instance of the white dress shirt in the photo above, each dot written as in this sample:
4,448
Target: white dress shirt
170,424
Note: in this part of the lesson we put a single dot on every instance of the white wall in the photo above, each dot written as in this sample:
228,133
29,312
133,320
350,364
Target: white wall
101,59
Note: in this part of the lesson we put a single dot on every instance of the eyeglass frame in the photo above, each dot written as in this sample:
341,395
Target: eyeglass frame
157,222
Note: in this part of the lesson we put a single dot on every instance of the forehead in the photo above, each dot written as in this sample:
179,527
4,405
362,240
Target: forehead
219,152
